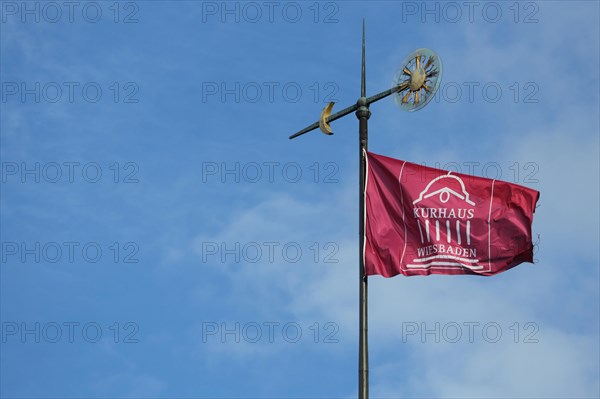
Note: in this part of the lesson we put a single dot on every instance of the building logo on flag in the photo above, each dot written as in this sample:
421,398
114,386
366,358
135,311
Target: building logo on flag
446,223
444,214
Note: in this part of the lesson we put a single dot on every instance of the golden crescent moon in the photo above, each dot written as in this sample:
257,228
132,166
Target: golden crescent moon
323,125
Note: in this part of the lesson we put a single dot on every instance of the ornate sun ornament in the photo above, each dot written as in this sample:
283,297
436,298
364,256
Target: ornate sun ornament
418,79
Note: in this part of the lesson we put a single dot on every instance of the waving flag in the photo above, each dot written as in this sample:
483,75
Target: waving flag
421,220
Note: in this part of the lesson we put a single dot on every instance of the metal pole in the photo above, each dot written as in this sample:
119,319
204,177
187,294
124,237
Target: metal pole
363,115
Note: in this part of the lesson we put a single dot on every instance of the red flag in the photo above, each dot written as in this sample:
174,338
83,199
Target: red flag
421,220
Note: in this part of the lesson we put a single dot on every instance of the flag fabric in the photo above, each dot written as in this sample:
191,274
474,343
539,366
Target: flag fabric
420,221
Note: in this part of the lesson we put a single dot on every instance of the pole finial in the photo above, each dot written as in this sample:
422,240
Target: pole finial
363,85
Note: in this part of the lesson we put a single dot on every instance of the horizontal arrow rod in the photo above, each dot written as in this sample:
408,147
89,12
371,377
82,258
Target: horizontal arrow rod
386,93
351,109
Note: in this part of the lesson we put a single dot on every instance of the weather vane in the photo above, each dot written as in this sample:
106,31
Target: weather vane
414,85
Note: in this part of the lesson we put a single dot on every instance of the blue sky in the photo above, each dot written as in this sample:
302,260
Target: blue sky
162,237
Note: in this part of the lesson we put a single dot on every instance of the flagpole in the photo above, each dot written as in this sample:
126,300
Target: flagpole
422,86
363,114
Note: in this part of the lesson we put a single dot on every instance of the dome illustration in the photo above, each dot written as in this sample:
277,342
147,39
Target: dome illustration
445,187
